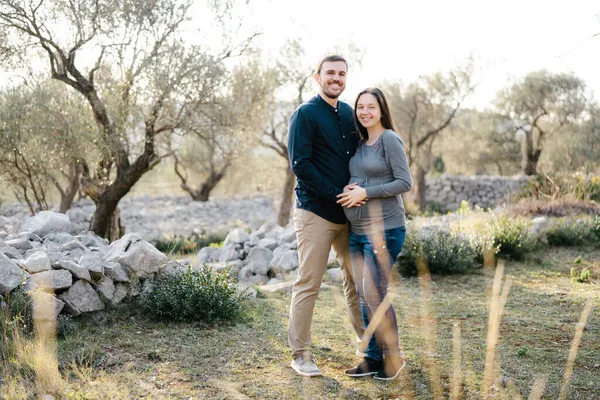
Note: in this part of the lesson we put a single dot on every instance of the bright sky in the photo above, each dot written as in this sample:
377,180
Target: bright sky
404,39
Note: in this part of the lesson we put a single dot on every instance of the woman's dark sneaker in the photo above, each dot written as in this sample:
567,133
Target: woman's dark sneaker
391,369
367,367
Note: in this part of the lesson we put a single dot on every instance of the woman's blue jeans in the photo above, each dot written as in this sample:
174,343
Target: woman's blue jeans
373,257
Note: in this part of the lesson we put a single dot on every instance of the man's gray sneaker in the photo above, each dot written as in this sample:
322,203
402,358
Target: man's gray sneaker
305,365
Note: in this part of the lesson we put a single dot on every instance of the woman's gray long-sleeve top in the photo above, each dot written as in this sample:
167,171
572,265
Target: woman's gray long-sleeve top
382,169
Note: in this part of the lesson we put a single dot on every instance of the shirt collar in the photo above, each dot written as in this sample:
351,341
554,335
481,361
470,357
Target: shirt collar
322,101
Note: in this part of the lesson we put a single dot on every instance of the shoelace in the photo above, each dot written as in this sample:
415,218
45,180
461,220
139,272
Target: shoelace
304,359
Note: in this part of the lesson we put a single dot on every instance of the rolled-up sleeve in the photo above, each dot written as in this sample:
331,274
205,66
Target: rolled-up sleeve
301,137
396,159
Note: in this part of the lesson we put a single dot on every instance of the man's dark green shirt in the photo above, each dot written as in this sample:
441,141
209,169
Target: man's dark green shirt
321,141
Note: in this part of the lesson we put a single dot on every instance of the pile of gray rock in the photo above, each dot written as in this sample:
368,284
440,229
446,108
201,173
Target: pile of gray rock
267,256
82,270
449,191
153,217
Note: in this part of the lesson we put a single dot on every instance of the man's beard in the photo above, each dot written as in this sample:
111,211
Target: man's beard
332,95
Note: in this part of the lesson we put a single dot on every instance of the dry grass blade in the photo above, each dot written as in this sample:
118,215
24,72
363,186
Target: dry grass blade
456,384
537,390
575,348
496,308
375,321
428,325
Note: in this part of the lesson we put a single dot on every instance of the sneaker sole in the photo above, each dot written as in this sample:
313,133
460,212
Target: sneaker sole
305,373
360,375
392,377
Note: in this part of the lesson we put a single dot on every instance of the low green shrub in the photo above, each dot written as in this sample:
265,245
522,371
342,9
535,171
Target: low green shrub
187,244
596,228
580,276
571,233
445,253
512,236
200,295
577,186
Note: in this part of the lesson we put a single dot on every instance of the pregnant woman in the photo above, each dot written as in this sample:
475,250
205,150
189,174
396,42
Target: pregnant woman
372,203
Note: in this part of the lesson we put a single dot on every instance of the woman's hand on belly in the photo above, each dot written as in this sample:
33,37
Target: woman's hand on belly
353,196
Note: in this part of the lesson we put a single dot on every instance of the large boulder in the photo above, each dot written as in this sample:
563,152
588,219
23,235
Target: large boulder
288,236
275,233
246,275
80,298
236,236
270,244
11,252
94,263
121,291
5,224
52,280
235,266
72,245
77,270
93,241
10,275
171,268
282,287
137,254
259,259
37,262
106,289
46,222
228,253
285,262
204,255
21,243
247,291
264,229
116,272
59,238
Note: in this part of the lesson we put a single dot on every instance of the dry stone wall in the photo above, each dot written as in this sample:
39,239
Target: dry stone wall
448,191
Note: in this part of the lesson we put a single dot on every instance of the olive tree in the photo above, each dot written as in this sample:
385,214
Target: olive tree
480,142
541,104
45,133
219,133
133,63
423,110
577,147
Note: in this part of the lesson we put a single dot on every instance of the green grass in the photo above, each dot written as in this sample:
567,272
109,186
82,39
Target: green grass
123,354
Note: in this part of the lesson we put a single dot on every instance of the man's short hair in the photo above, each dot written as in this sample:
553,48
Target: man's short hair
333,57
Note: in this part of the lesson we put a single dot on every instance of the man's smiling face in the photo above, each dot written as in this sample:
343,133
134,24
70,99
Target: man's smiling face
332,78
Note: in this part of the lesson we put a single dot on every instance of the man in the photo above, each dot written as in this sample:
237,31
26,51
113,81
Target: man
322,139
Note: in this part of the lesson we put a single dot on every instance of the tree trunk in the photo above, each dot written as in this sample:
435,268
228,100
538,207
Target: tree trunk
203,192
419,187
499,166
287,198
106,221
530,161
68,195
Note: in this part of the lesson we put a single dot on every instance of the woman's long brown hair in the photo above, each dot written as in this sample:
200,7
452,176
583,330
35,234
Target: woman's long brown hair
386,116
